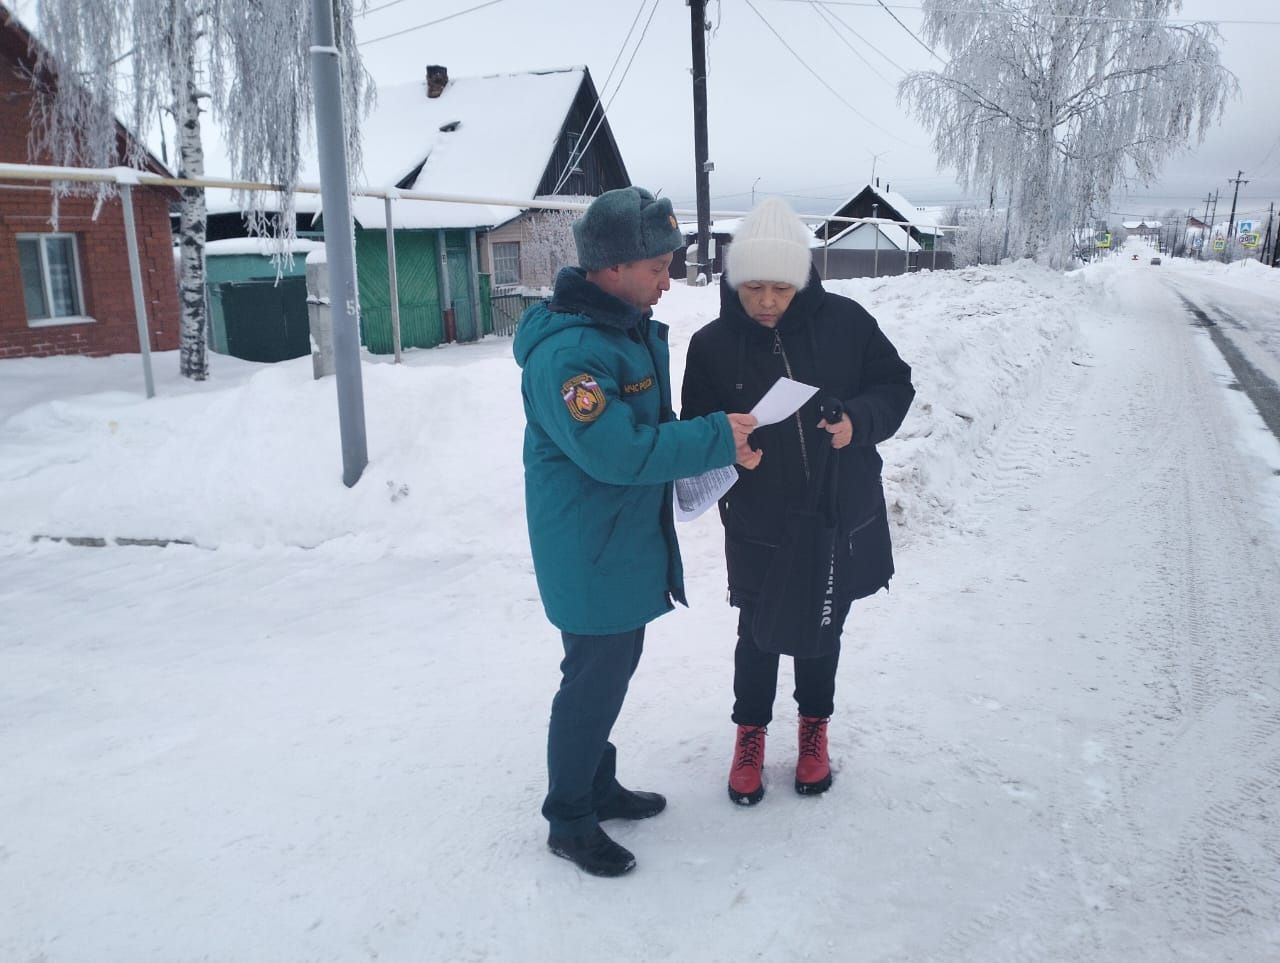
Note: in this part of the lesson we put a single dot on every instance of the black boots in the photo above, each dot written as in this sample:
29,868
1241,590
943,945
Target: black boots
593,853
630,804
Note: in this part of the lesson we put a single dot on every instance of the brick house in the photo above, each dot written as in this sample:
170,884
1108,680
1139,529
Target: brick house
67,290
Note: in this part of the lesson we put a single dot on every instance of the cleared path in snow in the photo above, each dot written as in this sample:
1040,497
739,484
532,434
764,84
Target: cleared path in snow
1111,668
1058,737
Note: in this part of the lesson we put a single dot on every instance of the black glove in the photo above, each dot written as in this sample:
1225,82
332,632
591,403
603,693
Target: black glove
831,409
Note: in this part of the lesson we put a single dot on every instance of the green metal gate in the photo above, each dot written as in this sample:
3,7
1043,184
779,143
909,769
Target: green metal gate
266,320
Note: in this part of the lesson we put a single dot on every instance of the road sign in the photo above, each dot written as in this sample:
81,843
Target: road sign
1219,244
1246,227
1103,239
1251,239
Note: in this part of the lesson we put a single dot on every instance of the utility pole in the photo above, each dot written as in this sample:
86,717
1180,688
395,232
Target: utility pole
1213,216
699,26
1266,243
1231,221
1204,226
339,237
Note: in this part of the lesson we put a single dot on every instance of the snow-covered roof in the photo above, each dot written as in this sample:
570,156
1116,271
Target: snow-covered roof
893,233
725,225
486,136
900,204
258,245
1135,225
483,136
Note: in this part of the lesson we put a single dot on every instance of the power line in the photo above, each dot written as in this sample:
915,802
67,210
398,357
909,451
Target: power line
1270,151
857,53
817,77
421,26
844,23
571,163
571,160
912,32
985,12
369,10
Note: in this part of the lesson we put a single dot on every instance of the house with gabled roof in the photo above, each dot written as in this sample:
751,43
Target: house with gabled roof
874,201
535,134
66,283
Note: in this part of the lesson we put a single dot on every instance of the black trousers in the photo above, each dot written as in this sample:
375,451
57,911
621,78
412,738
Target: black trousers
581,761
755,677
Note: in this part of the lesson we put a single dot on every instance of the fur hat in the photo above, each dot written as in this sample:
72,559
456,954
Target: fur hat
771,244
625,225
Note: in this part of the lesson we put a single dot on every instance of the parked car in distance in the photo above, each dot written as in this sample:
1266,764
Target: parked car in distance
1133,257
1155,260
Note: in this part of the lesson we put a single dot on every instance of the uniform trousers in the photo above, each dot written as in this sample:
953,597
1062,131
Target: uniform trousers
581,761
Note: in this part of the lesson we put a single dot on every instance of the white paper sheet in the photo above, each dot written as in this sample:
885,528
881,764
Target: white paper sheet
695,495
782,401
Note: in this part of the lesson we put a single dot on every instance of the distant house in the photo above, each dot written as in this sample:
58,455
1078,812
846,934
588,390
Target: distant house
849,250
1143,228
873,201
538,134
67,287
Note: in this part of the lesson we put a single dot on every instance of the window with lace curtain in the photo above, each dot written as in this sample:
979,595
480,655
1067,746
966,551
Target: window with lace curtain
51,287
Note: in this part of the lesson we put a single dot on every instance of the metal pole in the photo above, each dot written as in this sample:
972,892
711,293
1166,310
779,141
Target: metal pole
935,250
906,264
875,224
702,172
135,276
391,278
477,312
339,239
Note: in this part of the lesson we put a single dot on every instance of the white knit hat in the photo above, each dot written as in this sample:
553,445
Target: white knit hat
771,244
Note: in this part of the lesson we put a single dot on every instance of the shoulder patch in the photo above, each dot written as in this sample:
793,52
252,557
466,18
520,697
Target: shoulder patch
583,397
638,386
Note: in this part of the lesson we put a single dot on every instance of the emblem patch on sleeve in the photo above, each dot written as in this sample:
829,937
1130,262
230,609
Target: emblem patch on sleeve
583,397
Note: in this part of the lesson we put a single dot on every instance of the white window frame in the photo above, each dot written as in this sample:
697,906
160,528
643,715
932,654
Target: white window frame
519,273
55,320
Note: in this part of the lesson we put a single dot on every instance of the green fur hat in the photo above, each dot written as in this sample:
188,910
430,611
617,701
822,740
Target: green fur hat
625,225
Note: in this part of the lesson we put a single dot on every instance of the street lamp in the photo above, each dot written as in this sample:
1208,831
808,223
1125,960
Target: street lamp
874,158
753,191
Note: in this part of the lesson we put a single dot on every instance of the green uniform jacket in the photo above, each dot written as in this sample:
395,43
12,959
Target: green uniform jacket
600,452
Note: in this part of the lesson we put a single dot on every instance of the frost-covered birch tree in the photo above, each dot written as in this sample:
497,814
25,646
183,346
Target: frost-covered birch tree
548,246
245,61
1057,103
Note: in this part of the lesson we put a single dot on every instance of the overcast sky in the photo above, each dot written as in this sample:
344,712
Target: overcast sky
772,122
811,133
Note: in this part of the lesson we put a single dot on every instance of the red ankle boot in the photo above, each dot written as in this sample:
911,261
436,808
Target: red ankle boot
813,768
746,786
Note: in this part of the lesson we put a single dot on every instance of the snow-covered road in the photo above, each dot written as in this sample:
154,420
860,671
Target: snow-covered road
1057,737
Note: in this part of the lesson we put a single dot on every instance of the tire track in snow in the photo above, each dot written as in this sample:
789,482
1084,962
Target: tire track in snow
1182,827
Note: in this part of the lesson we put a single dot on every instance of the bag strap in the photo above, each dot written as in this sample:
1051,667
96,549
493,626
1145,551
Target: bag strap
822,488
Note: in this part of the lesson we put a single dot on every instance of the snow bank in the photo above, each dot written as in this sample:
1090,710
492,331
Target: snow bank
252,457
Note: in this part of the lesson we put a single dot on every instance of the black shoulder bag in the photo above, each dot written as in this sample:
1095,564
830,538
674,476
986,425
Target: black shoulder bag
795,613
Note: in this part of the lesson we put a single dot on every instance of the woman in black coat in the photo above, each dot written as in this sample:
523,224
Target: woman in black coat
776,320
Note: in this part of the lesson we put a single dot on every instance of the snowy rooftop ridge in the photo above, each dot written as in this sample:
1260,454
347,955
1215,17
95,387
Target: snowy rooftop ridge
909,211
489,136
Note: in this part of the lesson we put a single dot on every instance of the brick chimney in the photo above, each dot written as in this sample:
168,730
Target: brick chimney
437,80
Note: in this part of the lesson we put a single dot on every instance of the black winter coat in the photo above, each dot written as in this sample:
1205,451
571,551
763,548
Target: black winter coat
825,340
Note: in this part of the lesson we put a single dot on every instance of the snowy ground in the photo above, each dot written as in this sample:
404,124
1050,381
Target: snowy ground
317,732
